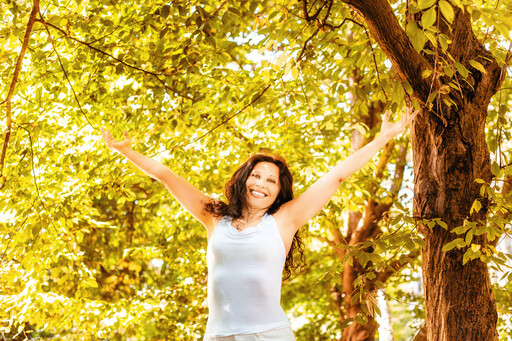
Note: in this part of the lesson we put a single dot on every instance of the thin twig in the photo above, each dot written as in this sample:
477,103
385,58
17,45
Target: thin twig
64,70
375,62
154,74
38,194
232,116
30,24
328,10
218,9
306,43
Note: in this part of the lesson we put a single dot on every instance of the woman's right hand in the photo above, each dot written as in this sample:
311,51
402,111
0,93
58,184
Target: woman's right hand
118,146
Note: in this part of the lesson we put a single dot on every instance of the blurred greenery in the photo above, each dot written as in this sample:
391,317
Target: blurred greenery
92,249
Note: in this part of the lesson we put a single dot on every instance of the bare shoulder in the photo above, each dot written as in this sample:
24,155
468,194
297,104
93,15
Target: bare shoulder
285,220
285,226
215,221
211,227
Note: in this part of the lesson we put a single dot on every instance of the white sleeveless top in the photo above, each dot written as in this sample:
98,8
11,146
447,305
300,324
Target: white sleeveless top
244,279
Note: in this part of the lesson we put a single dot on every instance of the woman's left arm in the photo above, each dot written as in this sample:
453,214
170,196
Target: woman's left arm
299,211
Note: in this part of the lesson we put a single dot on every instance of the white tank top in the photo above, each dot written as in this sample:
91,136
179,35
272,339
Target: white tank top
244,279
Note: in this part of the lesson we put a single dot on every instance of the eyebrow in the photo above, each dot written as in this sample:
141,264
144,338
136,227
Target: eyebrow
256,171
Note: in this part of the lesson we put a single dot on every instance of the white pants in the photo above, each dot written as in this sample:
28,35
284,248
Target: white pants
279,334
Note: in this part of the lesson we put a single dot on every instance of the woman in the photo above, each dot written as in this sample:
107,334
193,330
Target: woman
250,236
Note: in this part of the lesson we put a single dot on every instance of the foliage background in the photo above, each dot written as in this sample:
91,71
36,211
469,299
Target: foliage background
93,249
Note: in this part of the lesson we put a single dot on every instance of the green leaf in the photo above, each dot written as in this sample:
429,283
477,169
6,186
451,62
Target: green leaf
119,69
431,38
448,70
411,29
477,66
462,70
408,87
444,41
432,97
476,206
419,40
165,11
467,257
469,237
447,10
495,169
362,319
454,243
423,4
429,18
355,297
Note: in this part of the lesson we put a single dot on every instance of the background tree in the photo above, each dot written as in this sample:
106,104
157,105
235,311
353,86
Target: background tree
92,249
446,161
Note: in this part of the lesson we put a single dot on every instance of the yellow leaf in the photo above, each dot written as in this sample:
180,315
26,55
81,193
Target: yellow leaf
428,18
477,66
295,72
447,10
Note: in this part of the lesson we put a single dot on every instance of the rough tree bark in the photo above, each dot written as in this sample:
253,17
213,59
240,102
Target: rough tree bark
449,152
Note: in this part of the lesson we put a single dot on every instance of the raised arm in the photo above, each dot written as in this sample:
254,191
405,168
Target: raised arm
187,195
297,212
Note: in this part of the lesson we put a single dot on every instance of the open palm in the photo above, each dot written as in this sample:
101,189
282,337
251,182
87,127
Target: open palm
395,128
112,143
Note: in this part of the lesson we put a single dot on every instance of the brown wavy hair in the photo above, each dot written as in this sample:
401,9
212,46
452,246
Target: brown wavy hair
236,195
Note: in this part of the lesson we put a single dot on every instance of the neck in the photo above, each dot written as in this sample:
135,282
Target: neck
248,214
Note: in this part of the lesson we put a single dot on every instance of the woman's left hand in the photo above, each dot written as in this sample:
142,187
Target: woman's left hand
392,129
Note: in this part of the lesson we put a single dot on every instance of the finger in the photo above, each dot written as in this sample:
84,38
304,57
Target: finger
103,134
126,136
108,134
109,139
386,116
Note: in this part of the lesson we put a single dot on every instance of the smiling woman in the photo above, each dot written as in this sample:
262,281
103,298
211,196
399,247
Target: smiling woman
252,237
260,186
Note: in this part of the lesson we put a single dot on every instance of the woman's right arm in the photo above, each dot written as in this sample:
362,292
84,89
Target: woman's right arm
187,195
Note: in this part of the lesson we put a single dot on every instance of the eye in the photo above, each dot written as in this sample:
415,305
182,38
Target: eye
257,176
271,181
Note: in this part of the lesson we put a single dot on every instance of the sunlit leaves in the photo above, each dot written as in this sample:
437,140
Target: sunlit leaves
91,246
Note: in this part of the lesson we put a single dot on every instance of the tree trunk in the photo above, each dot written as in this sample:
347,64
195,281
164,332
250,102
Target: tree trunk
449,153
356,331
364,227
458,298
421,335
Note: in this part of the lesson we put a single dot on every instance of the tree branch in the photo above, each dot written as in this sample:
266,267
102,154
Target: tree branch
396,265
64,70
395,43
232,116
154,74
306,43
28,31
399,169
374,211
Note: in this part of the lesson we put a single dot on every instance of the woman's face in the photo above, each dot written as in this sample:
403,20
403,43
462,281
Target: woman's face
262,185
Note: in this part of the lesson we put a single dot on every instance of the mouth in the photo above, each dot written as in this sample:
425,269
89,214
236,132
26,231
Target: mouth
257,194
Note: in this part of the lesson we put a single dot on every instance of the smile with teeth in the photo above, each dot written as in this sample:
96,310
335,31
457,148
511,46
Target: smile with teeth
258,194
